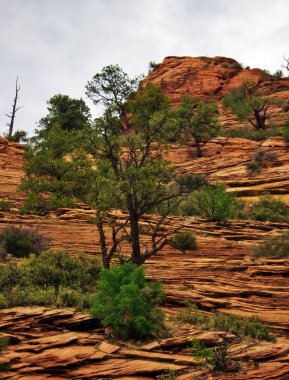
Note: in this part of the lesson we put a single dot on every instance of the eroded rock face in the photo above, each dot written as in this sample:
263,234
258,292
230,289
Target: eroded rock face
211,78
220,276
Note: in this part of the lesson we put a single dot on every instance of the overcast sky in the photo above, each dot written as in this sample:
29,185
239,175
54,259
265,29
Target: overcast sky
56,46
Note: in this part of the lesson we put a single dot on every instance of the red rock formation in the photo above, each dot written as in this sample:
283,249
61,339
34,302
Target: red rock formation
208,78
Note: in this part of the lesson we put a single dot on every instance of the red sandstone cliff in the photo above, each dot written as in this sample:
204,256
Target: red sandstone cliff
204,77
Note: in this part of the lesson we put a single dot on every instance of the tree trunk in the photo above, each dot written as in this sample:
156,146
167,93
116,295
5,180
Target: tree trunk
198,148
102,240
134,233
260,117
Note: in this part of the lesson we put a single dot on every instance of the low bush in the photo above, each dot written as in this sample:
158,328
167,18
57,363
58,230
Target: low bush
242,328
261,158
250,133
251,327
35,204
213,203
5,205
275,247
53,277
56,269
269,208
20,242
185,241
127,302
201,352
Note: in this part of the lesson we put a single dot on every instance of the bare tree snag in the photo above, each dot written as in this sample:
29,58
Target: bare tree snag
286,63
12,114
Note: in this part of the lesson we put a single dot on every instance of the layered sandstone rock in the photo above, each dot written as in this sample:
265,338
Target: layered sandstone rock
211,78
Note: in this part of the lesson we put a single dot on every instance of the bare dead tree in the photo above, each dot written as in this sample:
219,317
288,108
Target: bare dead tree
12,114
286,63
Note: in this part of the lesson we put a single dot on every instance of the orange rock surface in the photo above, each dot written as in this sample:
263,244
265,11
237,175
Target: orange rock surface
213,77
220,276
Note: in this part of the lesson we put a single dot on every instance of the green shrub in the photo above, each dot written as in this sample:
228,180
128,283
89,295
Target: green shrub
53,277
251,327
5,205
242,328
35,204
30,295
57,269
192,316
126,302
185,241
275,247
18,136
260,159
269,208
212,203
20,242
201,352
277,75
3,301
72,298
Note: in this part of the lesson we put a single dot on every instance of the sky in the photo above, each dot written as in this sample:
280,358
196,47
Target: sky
56,46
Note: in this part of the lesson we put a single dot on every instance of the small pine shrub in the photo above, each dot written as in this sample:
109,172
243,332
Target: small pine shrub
5,205
56,268
30,295
251,327
212,203
18,136
20,242
277,75
185,241
3,301
242,328
269,208
127,302
261,158
69,298
250,133
201,352
275,247
191,315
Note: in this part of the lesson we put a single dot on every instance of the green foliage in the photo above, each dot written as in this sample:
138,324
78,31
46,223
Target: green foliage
269,208
20,242
57,269
112,87
278,74
5,204
201,352
57,170
248,104
185,241
213,203
3,303
251,327
242,328
153,65
66,113
285,131
275,247
191,315
53,277
261,158
198,120
251,133
126,302
18,136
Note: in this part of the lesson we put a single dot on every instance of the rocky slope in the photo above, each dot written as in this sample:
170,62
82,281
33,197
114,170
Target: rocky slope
220,276
212,78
